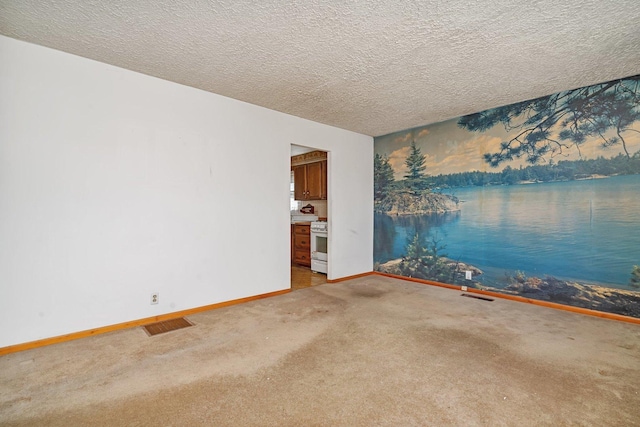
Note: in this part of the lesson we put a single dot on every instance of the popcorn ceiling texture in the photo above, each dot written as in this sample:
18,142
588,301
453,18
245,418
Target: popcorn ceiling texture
373,67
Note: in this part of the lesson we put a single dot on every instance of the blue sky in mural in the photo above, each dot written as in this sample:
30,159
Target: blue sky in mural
450,149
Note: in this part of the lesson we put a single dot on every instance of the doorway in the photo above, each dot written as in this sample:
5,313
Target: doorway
308,202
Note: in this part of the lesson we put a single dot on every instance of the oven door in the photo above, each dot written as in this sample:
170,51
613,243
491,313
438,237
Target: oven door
319,245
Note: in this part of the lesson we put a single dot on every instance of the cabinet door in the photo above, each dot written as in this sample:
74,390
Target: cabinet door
293,237
302,244
314,181
300,182
323,192
302,257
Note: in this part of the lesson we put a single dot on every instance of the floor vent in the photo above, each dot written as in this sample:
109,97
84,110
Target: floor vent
477,297
167,326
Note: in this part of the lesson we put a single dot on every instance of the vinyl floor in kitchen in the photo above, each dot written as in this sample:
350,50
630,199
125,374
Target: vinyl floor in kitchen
303,277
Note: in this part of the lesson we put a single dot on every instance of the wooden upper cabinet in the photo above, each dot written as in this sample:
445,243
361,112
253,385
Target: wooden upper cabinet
310,181
314,181
323,190
300,182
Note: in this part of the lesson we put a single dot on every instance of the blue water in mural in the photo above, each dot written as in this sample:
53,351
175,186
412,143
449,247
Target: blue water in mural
587,231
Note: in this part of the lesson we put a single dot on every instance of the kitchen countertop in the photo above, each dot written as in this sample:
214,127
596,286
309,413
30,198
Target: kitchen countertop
300,218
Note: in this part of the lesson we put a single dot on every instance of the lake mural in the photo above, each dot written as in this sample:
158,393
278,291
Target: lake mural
539,199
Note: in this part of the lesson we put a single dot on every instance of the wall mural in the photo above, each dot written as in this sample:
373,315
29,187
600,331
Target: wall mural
539,199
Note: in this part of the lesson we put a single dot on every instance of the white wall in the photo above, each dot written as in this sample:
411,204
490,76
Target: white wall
114,185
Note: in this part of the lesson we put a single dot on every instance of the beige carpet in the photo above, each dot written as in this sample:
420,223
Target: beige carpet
371,351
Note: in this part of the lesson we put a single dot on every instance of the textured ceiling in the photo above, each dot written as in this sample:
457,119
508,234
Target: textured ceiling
369,66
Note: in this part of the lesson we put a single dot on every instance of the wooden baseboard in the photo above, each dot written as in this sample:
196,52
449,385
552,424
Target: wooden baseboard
355,276
421,281
133,323
580,310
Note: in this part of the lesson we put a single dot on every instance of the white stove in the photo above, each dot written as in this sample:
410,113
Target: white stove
319,240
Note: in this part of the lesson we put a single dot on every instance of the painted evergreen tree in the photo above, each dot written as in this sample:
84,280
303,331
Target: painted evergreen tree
382,176
426,262
415,162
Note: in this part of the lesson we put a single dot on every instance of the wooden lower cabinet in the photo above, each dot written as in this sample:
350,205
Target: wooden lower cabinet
302,244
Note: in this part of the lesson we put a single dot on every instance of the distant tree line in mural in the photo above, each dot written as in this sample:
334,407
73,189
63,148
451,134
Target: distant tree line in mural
548,126
564,170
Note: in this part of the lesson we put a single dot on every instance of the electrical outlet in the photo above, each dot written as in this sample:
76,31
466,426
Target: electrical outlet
463,288
155,297
468,275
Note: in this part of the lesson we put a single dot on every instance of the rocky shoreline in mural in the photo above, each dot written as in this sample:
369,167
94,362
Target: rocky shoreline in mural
395,267
406,202
593,297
